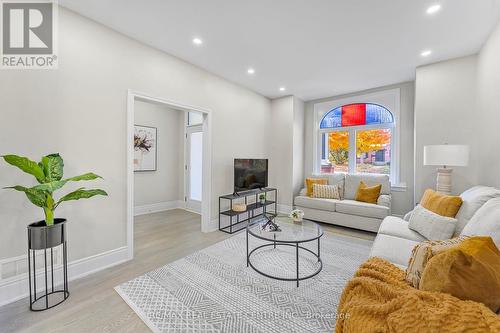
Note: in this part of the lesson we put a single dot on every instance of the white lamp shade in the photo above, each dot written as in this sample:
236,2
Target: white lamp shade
446,155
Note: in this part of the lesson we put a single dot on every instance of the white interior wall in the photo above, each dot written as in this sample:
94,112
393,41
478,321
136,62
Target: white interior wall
402,197
445,112
281,150
488,89
79,110
163,185
298,146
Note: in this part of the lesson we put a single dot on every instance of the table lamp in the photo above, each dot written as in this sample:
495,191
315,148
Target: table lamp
445,156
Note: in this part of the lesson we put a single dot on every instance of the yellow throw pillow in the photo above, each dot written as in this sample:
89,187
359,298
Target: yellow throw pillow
469,271
442,204
311,181
368,194
422,253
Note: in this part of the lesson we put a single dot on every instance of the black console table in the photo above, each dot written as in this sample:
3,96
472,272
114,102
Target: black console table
231,221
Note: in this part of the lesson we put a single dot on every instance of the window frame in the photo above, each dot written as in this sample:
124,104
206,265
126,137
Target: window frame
389,99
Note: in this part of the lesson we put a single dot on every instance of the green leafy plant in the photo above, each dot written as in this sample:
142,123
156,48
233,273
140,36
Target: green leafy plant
49,174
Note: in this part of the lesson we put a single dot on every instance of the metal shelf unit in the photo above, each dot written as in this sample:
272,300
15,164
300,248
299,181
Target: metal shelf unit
236,220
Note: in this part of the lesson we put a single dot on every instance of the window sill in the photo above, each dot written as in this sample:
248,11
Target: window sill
400,187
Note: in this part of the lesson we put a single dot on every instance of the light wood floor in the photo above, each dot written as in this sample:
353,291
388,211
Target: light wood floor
94,306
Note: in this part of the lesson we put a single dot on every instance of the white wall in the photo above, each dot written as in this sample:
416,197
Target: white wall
445,112
488,89
281,149
298,145
286,165
403,198
164,184
79,110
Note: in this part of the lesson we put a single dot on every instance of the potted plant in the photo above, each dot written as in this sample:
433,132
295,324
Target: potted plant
49,232
297,215
262,198
49,174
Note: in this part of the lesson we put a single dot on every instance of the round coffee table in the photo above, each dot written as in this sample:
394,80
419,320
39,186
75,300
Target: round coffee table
291,234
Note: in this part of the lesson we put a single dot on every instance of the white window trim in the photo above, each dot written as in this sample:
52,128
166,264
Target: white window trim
390,99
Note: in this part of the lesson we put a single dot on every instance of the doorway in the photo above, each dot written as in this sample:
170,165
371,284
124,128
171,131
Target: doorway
193,168
199,161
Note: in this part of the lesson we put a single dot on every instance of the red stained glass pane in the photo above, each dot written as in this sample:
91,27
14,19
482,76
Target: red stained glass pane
353,115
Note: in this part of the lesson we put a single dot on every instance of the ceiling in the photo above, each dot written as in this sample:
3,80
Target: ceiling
314,48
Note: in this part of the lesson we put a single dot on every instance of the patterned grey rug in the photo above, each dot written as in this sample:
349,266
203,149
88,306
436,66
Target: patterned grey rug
213,291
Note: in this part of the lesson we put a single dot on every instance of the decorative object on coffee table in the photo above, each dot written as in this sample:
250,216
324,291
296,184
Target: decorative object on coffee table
296,215
291,235
270,225
49,233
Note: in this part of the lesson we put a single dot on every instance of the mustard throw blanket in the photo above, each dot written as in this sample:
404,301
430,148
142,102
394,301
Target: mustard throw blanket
378,299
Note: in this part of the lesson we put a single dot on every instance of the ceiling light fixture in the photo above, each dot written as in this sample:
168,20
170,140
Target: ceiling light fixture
282,88
426,53
251,71
433,9
197,41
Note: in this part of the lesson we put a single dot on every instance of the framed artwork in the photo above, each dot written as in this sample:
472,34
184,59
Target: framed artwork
145,144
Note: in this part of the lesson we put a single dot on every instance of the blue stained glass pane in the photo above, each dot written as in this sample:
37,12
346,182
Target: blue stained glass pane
332,119
372,114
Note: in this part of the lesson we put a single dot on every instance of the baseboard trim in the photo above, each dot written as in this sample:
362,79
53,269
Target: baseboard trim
16,288
158,207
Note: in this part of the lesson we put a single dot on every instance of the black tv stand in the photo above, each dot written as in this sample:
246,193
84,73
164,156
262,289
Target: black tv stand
231,221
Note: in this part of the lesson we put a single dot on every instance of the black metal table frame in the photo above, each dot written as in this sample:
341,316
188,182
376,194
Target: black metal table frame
295,244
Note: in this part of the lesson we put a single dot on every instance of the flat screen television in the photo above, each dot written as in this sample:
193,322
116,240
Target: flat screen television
249,174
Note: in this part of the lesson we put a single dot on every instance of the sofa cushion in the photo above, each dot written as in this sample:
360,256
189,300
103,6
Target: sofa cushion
469,271
442,204
422,253
369,194
311,181
352,183
431,225
486,222
473,199
353,207
395,226
394,249
316,203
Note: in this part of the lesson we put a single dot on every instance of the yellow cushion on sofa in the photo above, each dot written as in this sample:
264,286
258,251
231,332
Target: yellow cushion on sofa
469,271
442,204
368,194
423,252
311,181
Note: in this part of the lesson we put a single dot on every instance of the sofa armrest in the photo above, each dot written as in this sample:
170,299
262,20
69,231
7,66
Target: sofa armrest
407,216
385,200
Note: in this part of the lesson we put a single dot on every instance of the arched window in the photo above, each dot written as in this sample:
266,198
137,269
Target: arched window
356,138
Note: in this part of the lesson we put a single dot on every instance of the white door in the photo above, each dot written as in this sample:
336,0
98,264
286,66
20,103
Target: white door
193,177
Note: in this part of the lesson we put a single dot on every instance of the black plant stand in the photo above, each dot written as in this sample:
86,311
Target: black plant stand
43,238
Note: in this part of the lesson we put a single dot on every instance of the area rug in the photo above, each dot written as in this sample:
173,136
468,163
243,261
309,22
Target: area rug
214,291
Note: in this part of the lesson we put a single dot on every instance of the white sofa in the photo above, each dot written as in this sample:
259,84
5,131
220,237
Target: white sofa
348,212
479,215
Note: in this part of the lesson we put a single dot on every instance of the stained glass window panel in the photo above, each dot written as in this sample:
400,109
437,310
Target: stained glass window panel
353,115
332,119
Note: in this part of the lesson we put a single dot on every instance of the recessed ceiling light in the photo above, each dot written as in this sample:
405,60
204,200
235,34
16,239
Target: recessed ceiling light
433,9
282,88
251,71
197,41
426,53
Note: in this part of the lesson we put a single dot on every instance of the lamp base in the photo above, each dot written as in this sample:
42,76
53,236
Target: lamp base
443,180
